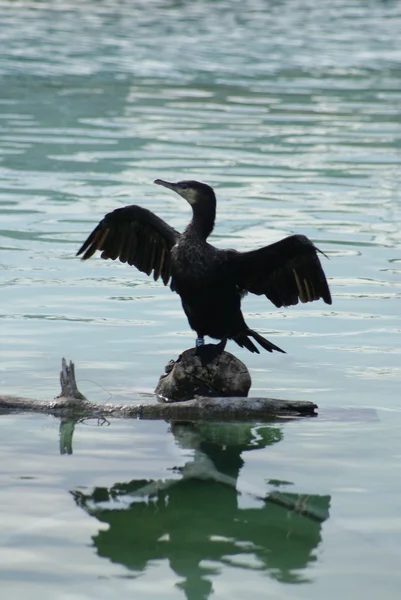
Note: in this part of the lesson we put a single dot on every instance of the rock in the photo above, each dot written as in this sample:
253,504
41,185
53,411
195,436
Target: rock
224,376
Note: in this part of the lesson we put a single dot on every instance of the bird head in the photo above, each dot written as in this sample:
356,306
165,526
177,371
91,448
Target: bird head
195,193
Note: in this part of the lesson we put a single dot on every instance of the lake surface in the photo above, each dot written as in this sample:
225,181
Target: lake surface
291,111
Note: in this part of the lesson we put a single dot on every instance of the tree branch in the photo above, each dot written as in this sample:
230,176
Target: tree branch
72,402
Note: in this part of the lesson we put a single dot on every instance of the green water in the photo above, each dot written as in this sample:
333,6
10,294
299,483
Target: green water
291,110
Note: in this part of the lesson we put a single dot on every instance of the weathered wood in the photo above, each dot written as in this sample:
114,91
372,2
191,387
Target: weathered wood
69,388
185,378
234,409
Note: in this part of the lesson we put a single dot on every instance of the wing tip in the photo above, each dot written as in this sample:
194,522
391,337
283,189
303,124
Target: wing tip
328,299
80,251
321,252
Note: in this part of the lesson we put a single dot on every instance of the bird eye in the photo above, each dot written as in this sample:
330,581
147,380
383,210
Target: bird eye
184,186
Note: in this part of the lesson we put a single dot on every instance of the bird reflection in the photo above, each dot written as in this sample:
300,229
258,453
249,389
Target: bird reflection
194,521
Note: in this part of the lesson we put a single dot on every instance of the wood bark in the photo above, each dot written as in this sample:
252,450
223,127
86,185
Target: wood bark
187,377
72,402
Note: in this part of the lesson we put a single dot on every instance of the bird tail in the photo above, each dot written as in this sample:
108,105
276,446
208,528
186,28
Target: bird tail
244,341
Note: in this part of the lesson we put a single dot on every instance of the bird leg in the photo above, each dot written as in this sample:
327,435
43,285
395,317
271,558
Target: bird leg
209,352
200,341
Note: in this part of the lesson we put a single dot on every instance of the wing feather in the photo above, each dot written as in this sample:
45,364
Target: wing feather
287,272
135,236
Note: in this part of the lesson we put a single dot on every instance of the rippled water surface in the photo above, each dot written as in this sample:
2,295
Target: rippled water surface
291,111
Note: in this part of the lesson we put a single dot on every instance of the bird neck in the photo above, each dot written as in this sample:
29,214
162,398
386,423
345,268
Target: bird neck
202,221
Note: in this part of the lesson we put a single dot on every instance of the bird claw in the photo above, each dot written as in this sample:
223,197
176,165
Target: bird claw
209,352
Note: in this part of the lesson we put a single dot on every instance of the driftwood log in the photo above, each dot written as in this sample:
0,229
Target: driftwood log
72,402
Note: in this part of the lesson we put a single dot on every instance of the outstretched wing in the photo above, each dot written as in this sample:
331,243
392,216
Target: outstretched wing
286,272
135,236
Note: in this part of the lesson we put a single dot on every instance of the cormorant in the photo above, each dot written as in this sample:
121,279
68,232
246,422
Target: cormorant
211,282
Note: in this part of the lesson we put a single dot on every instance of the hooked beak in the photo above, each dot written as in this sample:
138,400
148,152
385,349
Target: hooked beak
181,188
167,184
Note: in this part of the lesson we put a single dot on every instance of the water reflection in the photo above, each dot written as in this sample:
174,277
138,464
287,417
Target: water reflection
194,520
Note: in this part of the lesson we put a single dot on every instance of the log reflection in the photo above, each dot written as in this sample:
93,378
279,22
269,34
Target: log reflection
193,519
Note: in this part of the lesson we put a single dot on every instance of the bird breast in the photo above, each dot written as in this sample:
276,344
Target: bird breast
194,261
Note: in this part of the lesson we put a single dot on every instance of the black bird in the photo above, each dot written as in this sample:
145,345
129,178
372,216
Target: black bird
211,282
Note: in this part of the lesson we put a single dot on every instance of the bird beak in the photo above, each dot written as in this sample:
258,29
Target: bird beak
167,184
181,188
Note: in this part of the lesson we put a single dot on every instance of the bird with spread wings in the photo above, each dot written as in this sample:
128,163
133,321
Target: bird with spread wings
210,281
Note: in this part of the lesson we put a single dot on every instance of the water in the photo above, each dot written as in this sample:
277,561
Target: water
291,111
